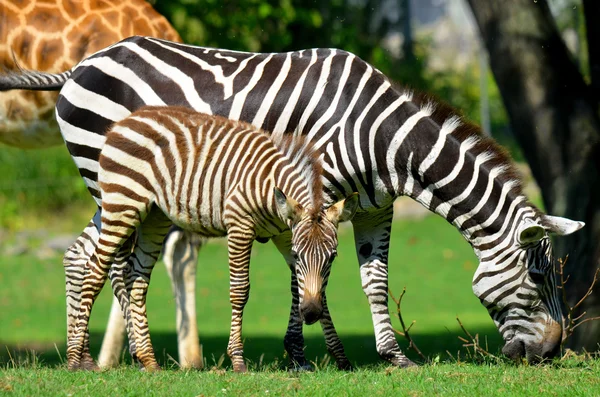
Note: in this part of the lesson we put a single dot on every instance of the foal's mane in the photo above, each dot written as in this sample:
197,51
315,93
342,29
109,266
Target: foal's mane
306,160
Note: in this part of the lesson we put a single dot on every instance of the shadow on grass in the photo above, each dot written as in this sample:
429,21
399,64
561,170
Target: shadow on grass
266,350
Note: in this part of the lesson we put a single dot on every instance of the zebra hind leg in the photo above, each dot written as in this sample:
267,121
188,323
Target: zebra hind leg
372,238
180,255
74,262
151,234
119,271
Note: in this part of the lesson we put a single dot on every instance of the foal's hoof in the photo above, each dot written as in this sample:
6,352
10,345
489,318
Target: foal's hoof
151,368
240,368
84,366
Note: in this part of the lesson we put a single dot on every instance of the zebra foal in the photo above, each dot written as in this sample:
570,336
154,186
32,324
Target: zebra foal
162,166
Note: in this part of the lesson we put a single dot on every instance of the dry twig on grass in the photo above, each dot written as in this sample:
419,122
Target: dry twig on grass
570,322
473,342
404,332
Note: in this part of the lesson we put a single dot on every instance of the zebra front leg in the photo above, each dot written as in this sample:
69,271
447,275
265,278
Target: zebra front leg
332,340
239,245
180,255
151,235
293,341
372,238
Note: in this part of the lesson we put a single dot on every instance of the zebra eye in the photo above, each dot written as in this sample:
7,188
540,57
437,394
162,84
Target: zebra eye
294,254
333,256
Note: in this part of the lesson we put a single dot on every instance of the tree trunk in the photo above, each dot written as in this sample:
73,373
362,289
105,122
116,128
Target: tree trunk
554,115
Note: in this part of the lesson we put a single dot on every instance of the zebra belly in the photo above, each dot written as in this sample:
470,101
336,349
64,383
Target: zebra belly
201,220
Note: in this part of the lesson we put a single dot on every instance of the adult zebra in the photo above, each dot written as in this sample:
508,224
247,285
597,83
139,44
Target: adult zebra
378,140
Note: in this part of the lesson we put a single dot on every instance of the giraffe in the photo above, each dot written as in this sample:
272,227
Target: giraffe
54,35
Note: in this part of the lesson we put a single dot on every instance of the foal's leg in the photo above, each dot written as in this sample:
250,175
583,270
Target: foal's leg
180,254
113,234
239,245
293,341
332,340
151,235
372,238
294,338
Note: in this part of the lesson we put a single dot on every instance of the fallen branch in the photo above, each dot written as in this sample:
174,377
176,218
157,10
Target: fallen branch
473,342
404,332
571,322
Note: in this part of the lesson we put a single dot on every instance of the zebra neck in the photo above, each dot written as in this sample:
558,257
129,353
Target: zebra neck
455,172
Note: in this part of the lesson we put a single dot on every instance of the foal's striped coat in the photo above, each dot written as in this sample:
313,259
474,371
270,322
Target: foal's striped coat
215,177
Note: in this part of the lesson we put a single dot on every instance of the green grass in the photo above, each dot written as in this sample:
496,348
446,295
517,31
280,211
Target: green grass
572,378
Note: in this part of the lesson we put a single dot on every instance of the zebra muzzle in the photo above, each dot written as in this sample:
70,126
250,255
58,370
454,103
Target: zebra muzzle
311,309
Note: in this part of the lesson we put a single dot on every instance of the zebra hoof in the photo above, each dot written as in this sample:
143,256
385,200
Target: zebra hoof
345,365
300,368
240,367
404,363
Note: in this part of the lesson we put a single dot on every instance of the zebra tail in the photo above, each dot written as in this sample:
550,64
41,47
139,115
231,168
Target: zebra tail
32,80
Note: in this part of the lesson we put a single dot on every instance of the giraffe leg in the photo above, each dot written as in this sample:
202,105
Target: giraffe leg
372,239
332,340
151,235
239,245
180,255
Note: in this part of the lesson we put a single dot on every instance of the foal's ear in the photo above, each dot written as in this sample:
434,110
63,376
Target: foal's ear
343,210
288,209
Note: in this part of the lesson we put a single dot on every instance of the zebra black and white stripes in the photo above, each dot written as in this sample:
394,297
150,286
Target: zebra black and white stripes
377,139
216,177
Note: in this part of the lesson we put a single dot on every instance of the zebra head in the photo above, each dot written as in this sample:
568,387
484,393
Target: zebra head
518,285
314,247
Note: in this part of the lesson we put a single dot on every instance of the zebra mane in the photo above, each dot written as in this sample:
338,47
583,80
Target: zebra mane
441,113
305,158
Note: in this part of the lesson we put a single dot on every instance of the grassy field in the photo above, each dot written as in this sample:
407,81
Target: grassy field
428,257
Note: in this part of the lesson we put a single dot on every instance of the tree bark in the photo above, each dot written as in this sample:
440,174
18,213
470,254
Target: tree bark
591,9
554,115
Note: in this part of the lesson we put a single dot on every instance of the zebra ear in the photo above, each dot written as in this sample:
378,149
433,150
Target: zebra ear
561,226
289,209
343,210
